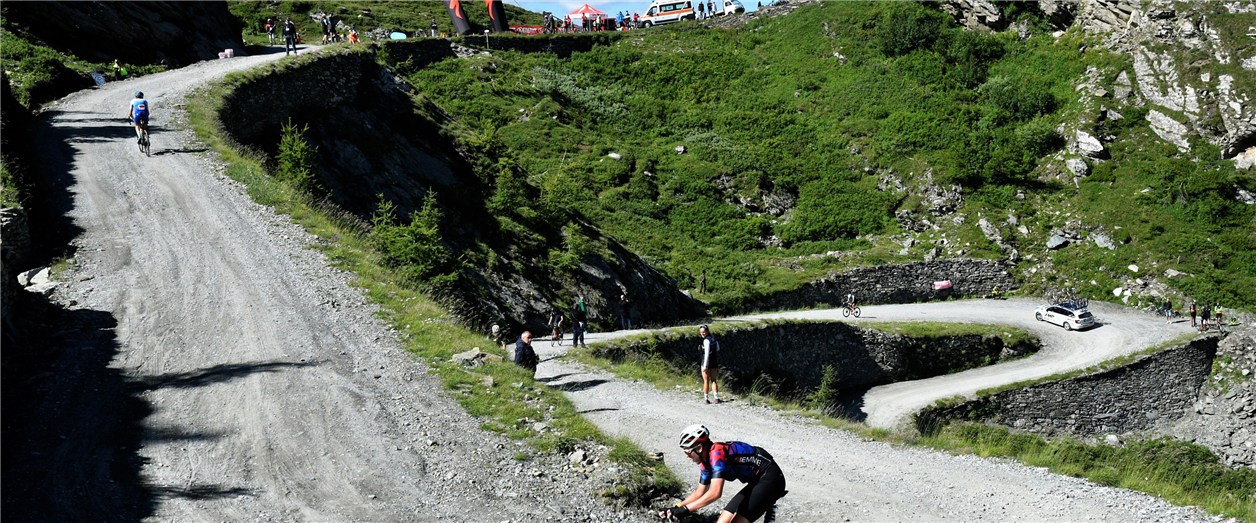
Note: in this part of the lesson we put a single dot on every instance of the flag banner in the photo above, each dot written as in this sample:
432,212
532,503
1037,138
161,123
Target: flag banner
458,17
497,12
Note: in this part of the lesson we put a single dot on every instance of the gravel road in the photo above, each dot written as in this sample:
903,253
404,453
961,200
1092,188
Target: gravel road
268,390
835,476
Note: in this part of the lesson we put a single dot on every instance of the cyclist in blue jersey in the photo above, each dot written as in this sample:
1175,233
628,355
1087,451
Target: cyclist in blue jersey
139,115
727,461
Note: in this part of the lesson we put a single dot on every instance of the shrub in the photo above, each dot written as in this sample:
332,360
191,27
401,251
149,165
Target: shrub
906,26
1022,100
414,249
298,160
829,210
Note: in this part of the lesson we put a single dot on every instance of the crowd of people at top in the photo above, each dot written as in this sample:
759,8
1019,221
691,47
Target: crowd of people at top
327,25
1209,316
586,22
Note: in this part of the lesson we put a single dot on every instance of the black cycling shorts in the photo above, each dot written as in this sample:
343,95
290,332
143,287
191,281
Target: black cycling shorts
711,362
757,497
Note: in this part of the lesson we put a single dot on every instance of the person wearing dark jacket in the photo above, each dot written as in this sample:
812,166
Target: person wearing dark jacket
289,37
524,355
580,323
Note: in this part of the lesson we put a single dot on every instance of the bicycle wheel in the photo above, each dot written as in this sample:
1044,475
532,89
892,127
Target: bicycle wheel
845,312
856,312
146,145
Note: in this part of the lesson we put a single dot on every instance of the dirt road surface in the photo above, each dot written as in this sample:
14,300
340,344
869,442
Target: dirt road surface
835,476
217,369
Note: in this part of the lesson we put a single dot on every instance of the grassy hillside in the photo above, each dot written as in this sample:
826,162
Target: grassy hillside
790,125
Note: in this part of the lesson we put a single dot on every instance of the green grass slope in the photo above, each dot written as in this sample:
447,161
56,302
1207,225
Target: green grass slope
791,124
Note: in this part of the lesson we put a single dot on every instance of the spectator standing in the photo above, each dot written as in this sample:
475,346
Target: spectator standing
1168,311
524,355
289,37
709,349
580,322
1216,314
619,20
433,26
117,70
324,23
1193,304
1205,313
636,20
710,9
702,282
701,12
270,30
625,311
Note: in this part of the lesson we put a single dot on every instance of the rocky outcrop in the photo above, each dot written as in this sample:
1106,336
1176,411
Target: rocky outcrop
134,32
373,140
901,283
1148,393
1221,417
794,354
14,233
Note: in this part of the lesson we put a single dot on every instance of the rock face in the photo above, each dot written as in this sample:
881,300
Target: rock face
398,151
903,283
1221,418
14,234
795,354
1151,392
135,32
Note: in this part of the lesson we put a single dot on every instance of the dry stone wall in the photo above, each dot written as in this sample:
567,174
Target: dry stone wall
796,353
902,283
1149,393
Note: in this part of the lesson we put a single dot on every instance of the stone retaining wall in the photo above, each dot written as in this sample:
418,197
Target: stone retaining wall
901,283
321,81
795,353
1151,392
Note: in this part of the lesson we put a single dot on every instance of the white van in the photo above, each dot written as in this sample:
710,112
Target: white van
731,7
668,11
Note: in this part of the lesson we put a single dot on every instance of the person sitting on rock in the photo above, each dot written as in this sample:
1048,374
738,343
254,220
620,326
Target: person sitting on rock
524,355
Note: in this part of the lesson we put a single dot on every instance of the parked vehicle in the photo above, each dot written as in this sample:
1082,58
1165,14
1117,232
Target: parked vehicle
730,7
663,12
1070,319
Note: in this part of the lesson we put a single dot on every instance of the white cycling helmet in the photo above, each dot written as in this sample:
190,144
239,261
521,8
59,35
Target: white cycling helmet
496,329
692,436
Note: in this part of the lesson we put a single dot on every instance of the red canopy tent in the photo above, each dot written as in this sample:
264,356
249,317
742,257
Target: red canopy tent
585,10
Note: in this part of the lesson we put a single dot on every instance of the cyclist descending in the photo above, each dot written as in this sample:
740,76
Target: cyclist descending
849,307
727,461
850,299
139,115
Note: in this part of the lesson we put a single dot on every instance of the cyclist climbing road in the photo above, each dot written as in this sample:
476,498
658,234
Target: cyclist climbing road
727,461
139,115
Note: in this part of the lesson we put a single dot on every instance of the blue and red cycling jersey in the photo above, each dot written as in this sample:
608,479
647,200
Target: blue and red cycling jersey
139,110
734,460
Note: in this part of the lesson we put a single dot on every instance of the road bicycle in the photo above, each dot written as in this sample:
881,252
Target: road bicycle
145,145
849,309
557,337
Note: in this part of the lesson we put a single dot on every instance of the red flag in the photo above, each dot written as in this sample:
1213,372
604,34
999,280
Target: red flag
459,18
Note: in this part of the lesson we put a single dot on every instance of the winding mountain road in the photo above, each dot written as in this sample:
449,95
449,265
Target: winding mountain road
271,393
835,476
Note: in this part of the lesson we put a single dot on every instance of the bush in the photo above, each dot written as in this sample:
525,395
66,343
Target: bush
1022,99
829,210
906,26
414,249
298,160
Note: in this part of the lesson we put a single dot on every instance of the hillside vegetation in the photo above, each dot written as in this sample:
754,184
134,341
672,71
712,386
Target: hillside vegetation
804,135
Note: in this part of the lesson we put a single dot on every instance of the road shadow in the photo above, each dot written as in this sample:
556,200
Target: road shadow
215,374
181,150
556,377
577,386
850,405
607,409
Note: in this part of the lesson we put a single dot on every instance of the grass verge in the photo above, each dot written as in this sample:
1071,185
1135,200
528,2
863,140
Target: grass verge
1180,472
504,396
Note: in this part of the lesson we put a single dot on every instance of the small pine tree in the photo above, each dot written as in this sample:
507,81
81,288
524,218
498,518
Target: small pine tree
298,160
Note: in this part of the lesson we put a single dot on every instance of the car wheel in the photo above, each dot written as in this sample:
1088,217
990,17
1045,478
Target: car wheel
1067,327
1038,315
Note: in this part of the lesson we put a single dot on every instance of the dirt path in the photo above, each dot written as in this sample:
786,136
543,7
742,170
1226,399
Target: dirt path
263,387
834,476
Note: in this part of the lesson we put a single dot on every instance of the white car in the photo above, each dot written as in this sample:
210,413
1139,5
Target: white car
1070,319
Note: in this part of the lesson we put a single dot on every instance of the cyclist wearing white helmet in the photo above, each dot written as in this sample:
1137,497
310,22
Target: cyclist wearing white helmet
726,461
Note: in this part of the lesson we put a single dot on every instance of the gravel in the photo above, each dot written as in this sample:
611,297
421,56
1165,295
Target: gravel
270,390
835,475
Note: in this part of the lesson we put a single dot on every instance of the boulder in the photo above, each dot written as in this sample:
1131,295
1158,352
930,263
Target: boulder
1112,440
1057,242
1118,292
1133,268
615,156
44,288
1102,240
1168,129
680,149
1090,146
1077,166
471,358
33,277
577,457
